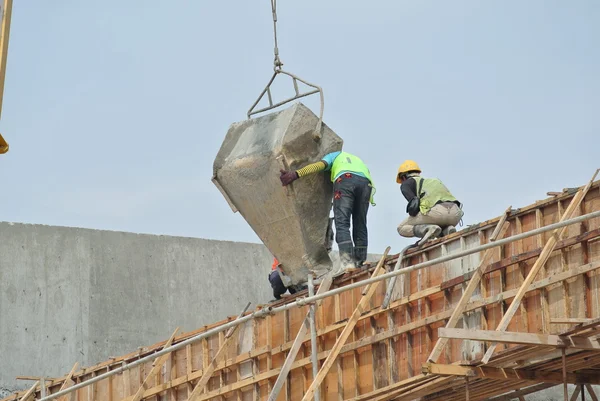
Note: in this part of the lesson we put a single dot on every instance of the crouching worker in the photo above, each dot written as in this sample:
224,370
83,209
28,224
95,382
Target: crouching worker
276,283
353,190
432,209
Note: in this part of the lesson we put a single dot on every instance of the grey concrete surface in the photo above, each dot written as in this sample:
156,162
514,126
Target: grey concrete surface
556,393
71,294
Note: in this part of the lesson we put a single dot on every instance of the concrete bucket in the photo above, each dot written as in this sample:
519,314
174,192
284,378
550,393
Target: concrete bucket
291,221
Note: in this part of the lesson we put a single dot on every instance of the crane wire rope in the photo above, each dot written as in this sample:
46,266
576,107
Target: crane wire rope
277,64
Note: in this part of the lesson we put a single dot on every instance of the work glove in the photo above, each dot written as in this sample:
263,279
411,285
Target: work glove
287,177
413,208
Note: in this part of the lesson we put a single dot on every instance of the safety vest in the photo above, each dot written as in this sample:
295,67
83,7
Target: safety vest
347,163
431,191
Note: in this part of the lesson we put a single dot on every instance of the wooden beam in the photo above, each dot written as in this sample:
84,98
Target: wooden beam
548,248
210,369
391,333
157,365
522,257
36,378
68,381
570,320
575,393
591,392
487,372
459,309
30,392
302,332
551,340
337,347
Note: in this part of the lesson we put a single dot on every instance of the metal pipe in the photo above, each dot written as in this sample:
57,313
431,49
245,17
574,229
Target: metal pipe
307,300
392,283
313,334
564,374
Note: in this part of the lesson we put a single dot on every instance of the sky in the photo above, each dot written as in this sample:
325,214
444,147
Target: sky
115,111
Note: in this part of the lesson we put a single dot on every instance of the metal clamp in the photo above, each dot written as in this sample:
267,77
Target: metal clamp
298,95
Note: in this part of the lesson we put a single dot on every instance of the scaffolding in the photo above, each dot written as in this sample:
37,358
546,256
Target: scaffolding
496,311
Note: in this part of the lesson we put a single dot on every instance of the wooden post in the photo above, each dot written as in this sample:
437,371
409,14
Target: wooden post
68,381
576,393
591,392
289,360
548,248
458,311
158,362
337,347
392,281
313,334
207,373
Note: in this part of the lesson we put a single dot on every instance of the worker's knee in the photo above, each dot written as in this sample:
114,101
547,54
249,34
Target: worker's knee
406,231
277,285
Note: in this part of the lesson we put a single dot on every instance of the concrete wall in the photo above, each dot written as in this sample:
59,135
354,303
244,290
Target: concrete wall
70,294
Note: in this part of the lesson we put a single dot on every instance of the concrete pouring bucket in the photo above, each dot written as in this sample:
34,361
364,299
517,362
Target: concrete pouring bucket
292,221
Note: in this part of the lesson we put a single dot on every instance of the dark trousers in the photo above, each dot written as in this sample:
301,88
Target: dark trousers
277,285
351,195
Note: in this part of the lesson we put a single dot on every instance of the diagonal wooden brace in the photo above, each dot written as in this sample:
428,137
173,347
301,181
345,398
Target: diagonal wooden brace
548,248
337,347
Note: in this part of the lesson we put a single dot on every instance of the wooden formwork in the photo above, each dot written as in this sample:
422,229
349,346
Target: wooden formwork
386,355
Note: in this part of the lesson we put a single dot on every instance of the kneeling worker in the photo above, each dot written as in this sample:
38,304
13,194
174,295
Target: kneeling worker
353,191
431,207
276,283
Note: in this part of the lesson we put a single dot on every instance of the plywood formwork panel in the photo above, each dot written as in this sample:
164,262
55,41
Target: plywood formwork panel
387,349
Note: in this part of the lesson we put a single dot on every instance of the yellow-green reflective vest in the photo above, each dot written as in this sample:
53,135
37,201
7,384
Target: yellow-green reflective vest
345,162
431,191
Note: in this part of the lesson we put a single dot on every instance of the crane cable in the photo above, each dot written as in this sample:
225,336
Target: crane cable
277,64
277,61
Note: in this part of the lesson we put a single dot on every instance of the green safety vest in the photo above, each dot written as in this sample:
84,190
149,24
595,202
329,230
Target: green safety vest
345,162
430,192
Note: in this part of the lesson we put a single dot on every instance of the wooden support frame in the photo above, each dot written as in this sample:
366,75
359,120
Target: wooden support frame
575,393
459,309
300,337
570,320
335,350
591,392
550,340
210,369
252,364
548,248
488,372
31,391
68,381
157,365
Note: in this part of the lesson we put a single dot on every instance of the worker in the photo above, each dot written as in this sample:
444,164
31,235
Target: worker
353,190
432,209
276,283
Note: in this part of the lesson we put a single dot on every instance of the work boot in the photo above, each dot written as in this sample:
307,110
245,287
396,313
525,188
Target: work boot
346,258
347,262
360,254
426,232
448,230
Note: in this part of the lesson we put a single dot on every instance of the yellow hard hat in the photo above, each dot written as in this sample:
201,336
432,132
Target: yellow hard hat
405,167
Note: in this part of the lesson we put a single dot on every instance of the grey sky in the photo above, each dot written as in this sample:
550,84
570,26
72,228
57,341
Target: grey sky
115,110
